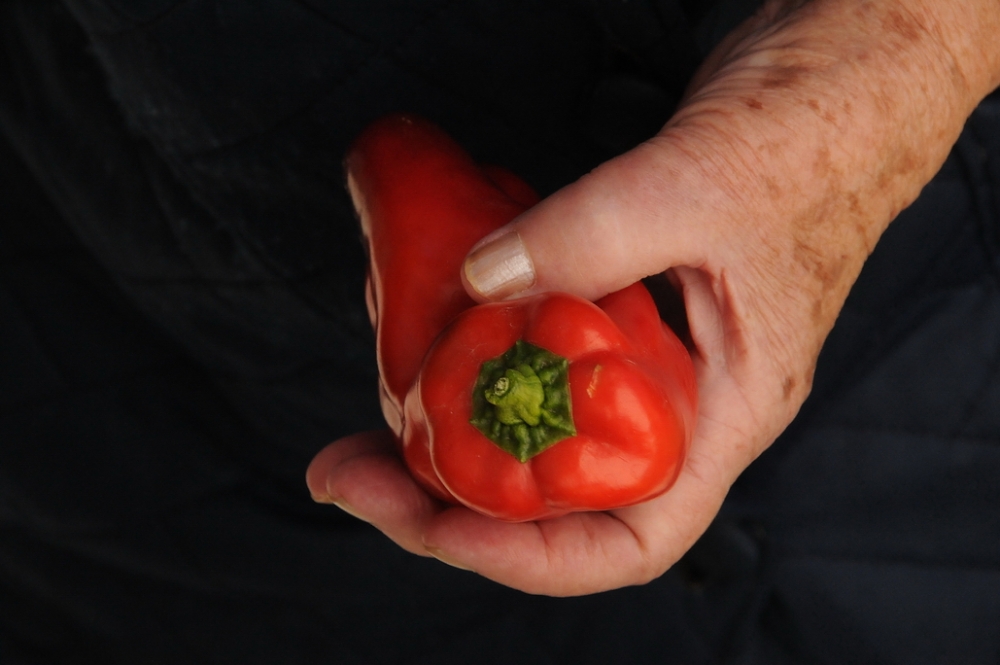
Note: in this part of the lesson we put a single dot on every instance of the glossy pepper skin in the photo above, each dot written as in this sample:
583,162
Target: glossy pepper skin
611,397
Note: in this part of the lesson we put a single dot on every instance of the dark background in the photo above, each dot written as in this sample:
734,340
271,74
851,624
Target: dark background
182,327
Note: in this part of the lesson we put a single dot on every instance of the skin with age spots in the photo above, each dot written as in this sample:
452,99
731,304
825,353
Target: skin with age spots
906,26
783,77
832,231
788,387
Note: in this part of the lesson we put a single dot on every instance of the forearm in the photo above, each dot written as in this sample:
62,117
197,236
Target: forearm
881,88
808,134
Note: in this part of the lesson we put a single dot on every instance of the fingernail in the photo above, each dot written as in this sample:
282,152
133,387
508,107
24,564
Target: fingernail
322,498
340,503
500,268
443,558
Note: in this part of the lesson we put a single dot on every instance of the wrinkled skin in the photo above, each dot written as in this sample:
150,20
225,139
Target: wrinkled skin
801,138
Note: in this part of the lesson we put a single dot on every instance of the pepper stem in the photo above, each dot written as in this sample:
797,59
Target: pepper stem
521,400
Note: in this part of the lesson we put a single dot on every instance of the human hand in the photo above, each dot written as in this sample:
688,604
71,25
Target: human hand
804,134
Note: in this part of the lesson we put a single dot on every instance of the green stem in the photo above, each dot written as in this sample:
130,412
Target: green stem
521,400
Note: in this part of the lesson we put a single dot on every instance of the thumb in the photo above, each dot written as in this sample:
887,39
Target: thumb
614,226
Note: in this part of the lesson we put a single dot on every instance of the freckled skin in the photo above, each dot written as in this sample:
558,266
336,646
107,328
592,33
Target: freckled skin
821,200
907,27
783,77
788,387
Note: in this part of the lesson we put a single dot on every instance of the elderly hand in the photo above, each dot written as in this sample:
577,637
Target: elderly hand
801,138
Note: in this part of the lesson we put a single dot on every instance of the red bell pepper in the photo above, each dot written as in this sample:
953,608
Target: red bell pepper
524,409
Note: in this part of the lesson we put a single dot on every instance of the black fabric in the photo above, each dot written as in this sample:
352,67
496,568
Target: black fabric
878,507
133,529
182,327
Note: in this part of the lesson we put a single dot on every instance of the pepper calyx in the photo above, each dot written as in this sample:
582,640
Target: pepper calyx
521,400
